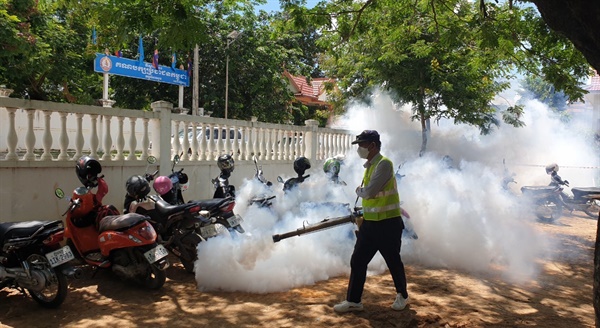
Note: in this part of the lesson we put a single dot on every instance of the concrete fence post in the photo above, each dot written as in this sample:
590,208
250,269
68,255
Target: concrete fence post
161,135
311,140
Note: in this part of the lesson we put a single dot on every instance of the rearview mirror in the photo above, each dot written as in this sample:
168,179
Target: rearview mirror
151,159
176,159
59,193
279,179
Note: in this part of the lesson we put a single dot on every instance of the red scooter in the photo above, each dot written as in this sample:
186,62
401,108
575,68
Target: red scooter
104,239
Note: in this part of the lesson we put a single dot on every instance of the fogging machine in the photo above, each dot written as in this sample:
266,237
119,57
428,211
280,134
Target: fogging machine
355,217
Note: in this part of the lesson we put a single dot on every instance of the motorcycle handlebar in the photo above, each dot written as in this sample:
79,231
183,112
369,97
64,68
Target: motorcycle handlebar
73,206
150,177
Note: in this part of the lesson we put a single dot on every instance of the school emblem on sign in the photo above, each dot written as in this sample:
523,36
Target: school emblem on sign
105,64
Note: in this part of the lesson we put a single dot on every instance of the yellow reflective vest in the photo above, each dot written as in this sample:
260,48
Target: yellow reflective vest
386,204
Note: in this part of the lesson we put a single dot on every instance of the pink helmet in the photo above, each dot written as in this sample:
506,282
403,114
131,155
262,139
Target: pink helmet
162,185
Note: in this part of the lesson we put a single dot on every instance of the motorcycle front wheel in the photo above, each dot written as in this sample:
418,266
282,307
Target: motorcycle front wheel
548,211
593,208
153,277
54,291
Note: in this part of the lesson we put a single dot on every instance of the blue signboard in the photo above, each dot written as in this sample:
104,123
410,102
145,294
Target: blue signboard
145,71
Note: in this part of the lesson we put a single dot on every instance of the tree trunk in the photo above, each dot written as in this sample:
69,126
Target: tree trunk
424,120
423,137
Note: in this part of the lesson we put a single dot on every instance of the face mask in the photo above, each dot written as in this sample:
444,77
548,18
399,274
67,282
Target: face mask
362,152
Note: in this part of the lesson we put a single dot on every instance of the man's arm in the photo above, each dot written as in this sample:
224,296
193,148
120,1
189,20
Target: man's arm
383,173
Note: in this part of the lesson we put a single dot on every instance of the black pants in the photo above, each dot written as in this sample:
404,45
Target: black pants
386,237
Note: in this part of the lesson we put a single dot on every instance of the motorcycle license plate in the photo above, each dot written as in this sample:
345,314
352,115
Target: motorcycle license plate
156,253
208,231
234,220
60,256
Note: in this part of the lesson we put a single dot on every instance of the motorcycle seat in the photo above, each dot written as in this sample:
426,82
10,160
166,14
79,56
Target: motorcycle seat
210,204
28,229
581,192
166,209
537,190
120,222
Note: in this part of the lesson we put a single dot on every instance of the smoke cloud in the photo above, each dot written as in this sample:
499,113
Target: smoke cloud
463,217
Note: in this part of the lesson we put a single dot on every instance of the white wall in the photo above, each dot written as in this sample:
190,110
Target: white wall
27,193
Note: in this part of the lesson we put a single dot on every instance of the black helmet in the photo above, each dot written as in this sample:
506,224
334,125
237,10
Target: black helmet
87,170
301,164
183,178
137,187
225,163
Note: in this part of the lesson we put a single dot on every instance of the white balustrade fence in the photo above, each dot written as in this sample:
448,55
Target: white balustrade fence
44,131
40,141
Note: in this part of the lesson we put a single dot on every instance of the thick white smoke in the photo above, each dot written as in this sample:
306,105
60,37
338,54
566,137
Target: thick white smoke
463,217
252,262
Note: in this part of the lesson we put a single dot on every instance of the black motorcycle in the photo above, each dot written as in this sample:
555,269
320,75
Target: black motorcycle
180,227
218,210
544,201
265,200
32,259
583,199
290,183
301,164
221,183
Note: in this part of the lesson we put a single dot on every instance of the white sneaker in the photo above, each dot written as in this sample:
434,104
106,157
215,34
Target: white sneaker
346,306
400,302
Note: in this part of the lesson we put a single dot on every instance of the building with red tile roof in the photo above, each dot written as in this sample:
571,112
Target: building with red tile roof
311,93
594,86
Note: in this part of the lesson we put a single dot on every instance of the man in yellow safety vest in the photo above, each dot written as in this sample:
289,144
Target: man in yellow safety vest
381,229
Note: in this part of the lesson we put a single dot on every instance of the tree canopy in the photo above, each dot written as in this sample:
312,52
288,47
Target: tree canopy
50,52
448,59
43,53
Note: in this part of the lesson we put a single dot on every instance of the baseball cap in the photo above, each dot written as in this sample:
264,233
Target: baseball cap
367,135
